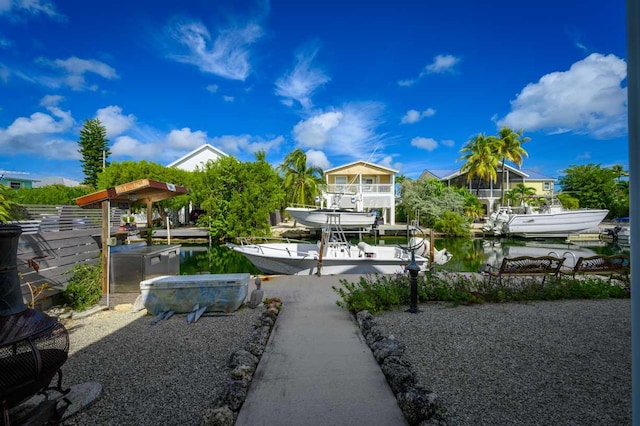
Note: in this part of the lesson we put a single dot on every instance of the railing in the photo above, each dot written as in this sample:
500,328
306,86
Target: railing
358,189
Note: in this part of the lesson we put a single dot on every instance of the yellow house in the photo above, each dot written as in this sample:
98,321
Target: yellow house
490,193
362,186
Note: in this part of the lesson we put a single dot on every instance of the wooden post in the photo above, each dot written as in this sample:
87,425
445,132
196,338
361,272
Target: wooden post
149,222
105,245
431,249
319,271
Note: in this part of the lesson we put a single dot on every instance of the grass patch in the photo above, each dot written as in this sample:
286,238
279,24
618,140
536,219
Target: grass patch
381,292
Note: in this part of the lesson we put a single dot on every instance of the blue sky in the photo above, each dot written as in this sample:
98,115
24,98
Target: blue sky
402,83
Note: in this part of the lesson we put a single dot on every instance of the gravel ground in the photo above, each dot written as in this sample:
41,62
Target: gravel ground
542,363
160,374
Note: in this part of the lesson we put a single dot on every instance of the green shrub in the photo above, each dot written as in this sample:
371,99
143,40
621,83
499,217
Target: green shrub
84,288
452,224
379,293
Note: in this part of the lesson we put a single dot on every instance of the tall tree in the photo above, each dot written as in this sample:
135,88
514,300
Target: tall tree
619,171
94,147
509,147
301,181
480,159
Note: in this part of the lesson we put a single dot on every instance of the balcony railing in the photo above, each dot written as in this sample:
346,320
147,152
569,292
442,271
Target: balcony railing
358,189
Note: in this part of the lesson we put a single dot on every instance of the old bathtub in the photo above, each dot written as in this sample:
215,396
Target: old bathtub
218,292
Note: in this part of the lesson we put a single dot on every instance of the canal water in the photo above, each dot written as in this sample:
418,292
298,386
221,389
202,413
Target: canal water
469,255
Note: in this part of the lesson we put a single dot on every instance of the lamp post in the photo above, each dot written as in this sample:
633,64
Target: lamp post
413,269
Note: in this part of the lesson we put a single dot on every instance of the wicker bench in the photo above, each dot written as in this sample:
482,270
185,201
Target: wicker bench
614,265
523,266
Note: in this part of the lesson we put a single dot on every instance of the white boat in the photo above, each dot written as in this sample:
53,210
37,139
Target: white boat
317,218
551,220
334,255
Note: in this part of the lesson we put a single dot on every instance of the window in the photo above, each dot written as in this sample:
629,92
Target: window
367,184
15,185
546,186
341,183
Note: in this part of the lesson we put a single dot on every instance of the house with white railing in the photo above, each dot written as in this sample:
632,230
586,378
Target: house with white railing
362,186
490,193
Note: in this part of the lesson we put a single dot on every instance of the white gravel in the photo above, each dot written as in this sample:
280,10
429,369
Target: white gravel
163,374
541,363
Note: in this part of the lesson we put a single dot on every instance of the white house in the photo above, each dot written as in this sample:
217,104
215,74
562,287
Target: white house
197,158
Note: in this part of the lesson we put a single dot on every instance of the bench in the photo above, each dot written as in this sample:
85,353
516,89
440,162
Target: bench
525,266
613,265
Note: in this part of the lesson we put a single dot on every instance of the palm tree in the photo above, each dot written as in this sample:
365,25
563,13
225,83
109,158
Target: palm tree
521,193
619,171
480,159
301,181
508,147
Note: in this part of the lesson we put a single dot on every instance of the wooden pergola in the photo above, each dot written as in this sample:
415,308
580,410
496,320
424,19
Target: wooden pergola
143,192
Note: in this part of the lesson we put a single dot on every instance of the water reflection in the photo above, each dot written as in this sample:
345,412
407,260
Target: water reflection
469,255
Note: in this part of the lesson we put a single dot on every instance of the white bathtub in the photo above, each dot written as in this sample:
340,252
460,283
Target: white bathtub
218,292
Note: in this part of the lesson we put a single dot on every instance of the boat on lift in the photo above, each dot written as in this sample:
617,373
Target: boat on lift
334,254
549,221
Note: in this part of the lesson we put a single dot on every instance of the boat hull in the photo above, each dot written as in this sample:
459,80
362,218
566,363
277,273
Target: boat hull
559,224
304,259
317,218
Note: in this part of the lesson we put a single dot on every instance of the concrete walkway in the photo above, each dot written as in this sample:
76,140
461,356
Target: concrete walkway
316,369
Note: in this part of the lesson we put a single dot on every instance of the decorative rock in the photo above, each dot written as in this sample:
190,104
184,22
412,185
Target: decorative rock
235,393
222,416
242,357
365,321
399,374
389,346
242,372
375,334
419,404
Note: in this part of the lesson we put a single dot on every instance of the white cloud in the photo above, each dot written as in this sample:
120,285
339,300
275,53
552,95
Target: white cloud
428,144
76,70
448,142
185,138
413,116
228,98
29,7
301,82
349,131
114,121
586,99
584,156
442,64
38,133
128,147
406,83
213,88
227,56
246,143
318,159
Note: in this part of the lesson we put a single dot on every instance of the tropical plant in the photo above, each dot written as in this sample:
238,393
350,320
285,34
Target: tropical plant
52,195
301,181
480,159
619,172
94,148
508,147
84,288
6,203
593,185
452,224
430,198
520,194
238,197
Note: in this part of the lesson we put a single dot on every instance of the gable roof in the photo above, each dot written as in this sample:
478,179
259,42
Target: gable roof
364,163
445,174
206,151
